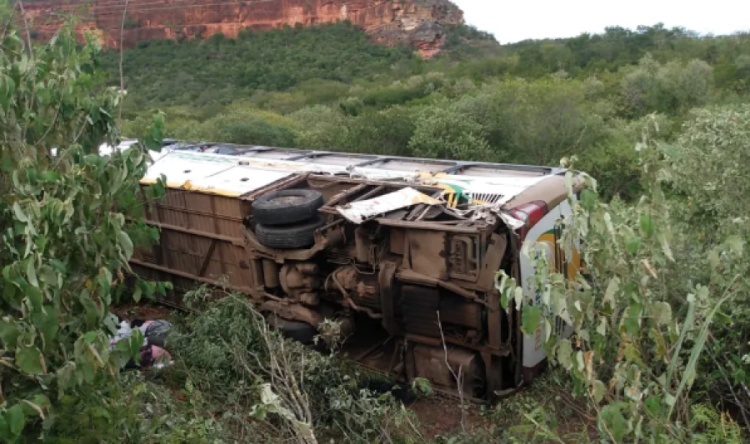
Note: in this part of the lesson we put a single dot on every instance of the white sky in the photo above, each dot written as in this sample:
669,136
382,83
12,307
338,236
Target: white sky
514,20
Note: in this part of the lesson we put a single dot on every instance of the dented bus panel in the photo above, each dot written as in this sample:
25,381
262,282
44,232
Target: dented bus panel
402,253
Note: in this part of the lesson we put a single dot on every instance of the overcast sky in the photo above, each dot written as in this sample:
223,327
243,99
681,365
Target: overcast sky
514,20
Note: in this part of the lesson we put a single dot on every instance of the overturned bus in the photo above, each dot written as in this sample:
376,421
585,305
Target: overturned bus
401,252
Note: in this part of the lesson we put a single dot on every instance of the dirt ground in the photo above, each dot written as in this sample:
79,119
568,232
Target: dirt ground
441,416
143,311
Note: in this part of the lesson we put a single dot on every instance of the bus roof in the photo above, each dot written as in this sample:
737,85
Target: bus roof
235,170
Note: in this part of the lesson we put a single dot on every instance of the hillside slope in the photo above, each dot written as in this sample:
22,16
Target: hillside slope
418,23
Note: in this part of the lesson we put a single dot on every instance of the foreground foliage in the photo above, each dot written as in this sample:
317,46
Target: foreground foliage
66,238
273,389
659,274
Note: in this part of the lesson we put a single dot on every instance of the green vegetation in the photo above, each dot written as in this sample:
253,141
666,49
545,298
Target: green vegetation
662,348
662,294
219,70
70,223
275,389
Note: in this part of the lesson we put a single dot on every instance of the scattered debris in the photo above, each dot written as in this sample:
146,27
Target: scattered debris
152,351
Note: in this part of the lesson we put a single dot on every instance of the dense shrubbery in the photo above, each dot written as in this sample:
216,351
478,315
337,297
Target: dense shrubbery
71,220
220,70
274,389
138,409
662,306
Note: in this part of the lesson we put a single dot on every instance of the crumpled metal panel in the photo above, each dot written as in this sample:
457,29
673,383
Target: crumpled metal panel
363,210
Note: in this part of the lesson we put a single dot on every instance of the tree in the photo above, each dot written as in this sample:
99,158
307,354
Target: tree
444,133
70,225
385,132
321,127
685,85
672,88
639,87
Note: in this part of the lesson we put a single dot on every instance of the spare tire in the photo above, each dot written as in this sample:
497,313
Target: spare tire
287,206
289,237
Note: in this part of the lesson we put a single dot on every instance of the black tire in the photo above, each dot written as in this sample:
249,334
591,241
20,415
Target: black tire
287,207
295,330
289,237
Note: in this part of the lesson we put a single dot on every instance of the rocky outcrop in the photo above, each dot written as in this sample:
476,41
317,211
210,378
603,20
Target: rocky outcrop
418,22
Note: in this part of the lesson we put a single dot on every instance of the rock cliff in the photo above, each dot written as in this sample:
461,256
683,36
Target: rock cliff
419,23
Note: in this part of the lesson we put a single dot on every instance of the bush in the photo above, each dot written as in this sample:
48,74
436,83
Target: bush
706,168
133,409
641,318
385,132
671,88
444,133
292,392
71,222
320,127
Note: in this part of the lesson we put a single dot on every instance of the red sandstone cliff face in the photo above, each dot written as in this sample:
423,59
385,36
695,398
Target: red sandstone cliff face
417,22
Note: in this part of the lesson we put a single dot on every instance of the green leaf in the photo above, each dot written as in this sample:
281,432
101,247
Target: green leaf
612,287
35,406
614,422
665,247
126,244
30,360
137,292
9,333
47,323
647,225
633,244
501,284
531,317
565,354
661,312
41,400
4,430
598,390
104,279
736,244
136,342
58,265
35,297
90,336
66,376
588,199
50,176
601,329
653,405
633,319
31,273
48,276
517,296
15,419
18,212
714,259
